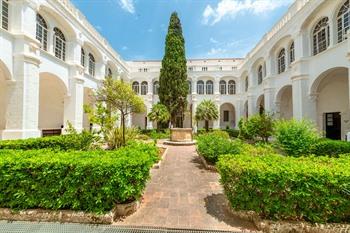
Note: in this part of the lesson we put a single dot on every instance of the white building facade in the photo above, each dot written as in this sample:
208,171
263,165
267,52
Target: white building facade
51,60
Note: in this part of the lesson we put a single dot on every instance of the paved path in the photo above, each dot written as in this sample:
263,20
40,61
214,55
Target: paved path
182,194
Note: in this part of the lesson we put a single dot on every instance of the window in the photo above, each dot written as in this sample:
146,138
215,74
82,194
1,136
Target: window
82,57
220,68
135,87
156,88
281,61
260,74
140,70
59,44
144,88
291,53
246,84
343,21
4,19
189,87
231,87
321,36
91,65
226,116
209,87
204,68
109,72
145,70
41,31
200,87
190,68
222,87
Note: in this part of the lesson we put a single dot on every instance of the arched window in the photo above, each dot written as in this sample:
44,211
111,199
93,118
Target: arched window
91,65
222,87
59,44
4,16
41,31
260,74
343,21
209,87
109,72
231,87
144,88
136,87
321,36
200,87
189,83
156,88
281,61
82,57
291,52
246,84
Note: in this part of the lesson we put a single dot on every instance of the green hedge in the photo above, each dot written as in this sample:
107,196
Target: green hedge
332,148
91,181
277,187
217,143
82,141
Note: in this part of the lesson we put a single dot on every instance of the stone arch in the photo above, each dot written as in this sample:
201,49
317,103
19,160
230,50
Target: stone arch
227,116
260,104
284,102
5,77
330,90
52,94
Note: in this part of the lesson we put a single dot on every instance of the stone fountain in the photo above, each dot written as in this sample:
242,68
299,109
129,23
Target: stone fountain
181,137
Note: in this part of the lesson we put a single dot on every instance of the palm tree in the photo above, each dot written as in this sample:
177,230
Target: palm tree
159,114
207,111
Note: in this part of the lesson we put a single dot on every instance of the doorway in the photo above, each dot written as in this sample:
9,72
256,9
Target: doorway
333,125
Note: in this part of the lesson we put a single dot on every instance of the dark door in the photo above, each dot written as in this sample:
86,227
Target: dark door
333,125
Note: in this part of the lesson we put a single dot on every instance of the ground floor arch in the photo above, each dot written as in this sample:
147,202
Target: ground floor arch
4,92
227,116
331,93
52,94
284,102
260,104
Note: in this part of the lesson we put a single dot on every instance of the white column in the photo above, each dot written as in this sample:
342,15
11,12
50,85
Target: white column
238,111
216,123
194,107
304,105
73,104
251,105
269,95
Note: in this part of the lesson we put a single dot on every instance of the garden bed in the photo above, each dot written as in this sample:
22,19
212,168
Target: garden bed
162,152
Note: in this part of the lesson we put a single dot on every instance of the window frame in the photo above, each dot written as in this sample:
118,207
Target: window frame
41,31
82,57
144,88
246,83
200,87
209,87
343,17
136,87
4,14
292,52
260,74
155,87
223,87
281,61
321,36
59,44
231,87
92,65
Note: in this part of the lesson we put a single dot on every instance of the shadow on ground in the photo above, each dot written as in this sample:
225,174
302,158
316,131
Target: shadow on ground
217,207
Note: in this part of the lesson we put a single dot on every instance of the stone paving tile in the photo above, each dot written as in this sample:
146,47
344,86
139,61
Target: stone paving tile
182,194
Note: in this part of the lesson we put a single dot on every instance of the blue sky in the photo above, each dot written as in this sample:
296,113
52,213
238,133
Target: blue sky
212,28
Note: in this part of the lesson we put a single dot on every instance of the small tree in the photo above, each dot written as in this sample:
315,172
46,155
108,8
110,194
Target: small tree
159,114
207,111
114,98
257,127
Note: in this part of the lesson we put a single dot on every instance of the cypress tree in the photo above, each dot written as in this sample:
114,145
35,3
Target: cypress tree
173,87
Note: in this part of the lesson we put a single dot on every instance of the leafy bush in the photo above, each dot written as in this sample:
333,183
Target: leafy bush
288,188
90,181
212,145
332,148
257,127
296,138
82,141
115,136
153,134
234,133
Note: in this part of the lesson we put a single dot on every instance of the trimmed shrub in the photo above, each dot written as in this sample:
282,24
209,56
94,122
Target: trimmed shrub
214,144
153,134
234,133
89,181
82,141
257,127
287,188
296,138
332,148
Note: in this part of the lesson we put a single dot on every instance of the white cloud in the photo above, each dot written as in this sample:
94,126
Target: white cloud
127,5
230,8
217,51
212,40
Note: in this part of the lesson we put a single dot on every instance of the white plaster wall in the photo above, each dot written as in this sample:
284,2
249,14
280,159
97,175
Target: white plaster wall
232,115
286,104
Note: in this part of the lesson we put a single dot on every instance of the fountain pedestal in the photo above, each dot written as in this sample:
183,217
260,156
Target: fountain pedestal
180,137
